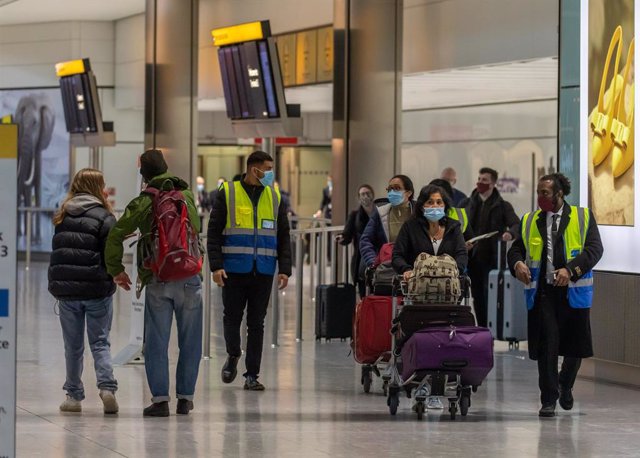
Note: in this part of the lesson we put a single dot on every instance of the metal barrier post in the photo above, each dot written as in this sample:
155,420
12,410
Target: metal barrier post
345,263
333,265
312,265
299,285
275,308
27,242
322,256
206,289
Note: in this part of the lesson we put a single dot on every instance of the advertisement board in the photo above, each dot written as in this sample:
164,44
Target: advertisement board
8,199
608,171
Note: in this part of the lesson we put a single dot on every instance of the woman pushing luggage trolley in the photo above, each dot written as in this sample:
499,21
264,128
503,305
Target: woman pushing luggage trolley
437,350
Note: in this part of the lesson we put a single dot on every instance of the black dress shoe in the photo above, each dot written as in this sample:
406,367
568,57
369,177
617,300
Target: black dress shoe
230,369
548,410
184,407
566,398
157,409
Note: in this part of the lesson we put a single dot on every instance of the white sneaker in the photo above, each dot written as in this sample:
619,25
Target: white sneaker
71,405
109,401
434,403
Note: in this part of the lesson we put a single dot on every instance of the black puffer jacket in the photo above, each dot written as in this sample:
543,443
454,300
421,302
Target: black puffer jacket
76,269
414,239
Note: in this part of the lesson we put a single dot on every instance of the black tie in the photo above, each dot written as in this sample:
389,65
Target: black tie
554,229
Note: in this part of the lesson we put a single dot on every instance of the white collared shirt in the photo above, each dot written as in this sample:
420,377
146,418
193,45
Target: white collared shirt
550,266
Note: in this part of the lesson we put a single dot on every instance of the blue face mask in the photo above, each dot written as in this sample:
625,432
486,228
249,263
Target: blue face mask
267,179
434,214
395,197
200,187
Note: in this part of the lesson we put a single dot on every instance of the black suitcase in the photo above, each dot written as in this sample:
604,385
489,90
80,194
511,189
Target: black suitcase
413,318
335,305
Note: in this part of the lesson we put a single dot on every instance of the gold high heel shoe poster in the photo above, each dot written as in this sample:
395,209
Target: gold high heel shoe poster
611,93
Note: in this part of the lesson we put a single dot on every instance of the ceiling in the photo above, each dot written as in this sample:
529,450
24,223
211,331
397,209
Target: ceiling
487,84
512,81
31,11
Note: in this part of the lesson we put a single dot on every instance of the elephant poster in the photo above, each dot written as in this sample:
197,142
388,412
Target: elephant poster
43,158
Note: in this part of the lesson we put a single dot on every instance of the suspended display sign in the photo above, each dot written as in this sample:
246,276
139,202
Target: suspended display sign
8,203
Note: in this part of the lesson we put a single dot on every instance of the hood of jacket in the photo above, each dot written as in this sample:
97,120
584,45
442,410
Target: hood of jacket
80,203
162,182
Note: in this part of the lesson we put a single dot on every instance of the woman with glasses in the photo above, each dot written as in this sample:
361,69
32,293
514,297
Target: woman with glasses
385,223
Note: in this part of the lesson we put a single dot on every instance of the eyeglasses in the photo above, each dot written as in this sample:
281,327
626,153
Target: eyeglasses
394,188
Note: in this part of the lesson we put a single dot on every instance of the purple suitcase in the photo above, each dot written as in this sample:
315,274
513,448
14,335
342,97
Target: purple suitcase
464,349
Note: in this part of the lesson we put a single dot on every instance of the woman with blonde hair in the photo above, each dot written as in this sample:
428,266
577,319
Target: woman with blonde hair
79,281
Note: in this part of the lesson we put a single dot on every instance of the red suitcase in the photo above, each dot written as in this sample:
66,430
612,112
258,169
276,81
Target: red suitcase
371,329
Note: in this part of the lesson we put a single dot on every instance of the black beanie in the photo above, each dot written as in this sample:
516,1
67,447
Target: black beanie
152,164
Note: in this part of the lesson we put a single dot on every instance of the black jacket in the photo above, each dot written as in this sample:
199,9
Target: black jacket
499,216
353,230
414,239
218,220
575,332
77,269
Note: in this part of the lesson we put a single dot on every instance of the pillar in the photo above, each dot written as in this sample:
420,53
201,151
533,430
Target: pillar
367,98
172,83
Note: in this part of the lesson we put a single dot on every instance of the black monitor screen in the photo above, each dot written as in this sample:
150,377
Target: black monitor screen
254,77
233,110
248,82
267,77
78,103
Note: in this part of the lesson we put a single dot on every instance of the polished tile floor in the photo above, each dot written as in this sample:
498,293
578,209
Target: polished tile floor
313,406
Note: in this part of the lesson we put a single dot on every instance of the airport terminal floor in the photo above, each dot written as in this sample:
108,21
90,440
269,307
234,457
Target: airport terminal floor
313,406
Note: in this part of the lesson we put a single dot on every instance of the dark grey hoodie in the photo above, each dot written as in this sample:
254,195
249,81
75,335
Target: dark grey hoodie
76,269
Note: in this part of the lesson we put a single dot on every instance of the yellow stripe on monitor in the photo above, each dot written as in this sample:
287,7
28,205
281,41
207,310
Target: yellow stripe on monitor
238,33
72,67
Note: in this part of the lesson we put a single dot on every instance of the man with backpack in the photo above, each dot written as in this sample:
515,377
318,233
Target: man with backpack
169,263
248,243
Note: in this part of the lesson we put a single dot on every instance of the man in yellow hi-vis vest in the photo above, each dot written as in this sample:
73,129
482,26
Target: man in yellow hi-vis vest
248,243
553,256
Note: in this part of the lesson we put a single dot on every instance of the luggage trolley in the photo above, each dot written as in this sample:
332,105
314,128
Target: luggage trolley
451,377
380,367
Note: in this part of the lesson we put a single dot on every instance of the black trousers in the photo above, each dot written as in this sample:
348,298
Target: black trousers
253,292
549,380
479,275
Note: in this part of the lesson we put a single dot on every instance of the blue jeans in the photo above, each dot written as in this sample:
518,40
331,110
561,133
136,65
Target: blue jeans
98,314
163,299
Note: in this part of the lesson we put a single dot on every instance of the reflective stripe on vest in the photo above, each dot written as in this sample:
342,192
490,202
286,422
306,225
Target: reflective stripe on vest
459,214
580,292
250,234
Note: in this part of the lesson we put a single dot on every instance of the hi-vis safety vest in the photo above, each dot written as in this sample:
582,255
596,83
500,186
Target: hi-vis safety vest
250,234
581,291
459,214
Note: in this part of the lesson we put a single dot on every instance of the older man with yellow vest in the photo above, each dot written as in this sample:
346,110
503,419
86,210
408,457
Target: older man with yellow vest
553,255
248,243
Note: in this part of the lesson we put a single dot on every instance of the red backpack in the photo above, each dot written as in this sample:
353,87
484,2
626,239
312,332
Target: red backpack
174,249
384,255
